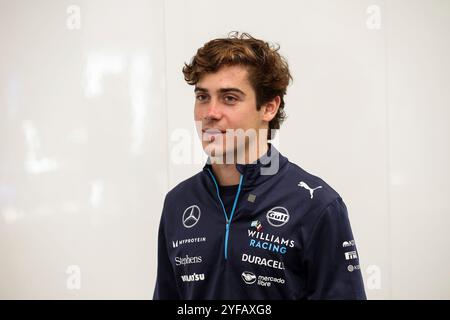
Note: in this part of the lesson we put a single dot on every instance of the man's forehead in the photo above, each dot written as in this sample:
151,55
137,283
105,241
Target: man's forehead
221,90
227,77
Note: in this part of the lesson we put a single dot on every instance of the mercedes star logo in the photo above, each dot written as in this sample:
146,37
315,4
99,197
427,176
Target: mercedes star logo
191,216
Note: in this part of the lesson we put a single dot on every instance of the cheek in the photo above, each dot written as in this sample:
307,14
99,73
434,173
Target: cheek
244,120
197,114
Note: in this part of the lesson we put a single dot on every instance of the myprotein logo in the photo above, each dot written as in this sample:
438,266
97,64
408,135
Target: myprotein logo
177,243
193,277
264,281
182,261
277,216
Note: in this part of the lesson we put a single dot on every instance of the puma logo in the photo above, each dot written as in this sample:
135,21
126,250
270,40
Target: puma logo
311,190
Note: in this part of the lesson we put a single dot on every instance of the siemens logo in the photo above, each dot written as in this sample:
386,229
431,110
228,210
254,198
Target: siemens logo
181,261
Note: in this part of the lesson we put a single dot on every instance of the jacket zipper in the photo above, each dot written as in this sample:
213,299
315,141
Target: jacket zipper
228,221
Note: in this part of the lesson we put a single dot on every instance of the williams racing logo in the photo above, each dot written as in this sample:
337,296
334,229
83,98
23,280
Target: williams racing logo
266,241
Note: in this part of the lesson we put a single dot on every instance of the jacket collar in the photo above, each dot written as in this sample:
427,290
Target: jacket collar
259,171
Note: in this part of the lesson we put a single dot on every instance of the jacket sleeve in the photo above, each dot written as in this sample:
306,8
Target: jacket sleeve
331,258
165,288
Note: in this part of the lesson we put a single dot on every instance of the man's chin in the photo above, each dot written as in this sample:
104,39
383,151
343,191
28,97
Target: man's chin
218,154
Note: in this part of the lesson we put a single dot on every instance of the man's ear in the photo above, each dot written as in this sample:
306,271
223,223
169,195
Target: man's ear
270,108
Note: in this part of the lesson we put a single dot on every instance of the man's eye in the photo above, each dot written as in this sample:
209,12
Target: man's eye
230,99
200,97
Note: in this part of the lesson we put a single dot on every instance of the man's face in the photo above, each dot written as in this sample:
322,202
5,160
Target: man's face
225,101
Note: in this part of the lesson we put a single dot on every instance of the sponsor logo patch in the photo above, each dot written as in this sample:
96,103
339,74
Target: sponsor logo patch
277,216
264,281
177,243
257,225
352,268
349,243
303,184
182,261
193,277
350,255
269,242
275,264
248,277
191,216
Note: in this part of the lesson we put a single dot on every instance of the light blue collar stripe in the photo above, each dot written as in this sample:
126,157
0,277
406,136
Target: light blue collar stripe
231,217
236,197
218,194
223,207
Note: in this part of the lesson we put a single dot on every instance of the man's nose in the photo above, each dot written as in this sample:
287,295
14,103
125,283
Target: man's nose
213,110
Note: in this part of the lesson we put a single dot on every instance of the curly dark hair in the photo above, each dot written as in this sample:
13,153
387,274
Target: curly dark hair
268,71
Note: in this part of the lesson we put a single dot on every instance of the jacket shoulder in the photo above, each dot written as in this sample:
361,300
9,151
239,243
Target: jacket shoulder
309,188
180,193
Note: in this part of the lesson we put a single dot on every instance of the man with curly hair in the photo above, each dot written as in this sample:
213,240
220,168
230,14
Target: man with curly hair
251,224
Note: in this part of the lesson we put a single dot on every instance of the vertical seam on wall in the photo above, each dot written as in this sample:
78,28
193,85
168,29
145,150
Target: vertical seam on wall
166,102
388,147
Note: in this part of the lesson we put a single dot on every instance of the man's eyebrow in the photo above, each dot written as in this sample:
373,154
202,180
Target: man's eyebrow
221,90
200,89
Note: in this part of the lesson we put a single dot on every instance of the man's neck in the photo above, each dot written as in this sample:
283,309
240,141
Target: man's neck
228,175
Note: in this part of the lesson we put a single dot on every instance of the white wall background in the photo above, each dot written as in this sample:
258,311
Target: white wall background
94,112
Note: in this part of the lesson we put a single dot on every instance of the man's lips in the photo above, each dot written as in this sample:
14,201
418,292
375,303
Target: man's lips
213,131
211,134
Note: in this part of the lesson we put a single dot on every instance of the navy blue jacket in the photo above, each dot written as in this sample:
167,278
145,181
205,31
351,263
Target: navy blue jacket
287,236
